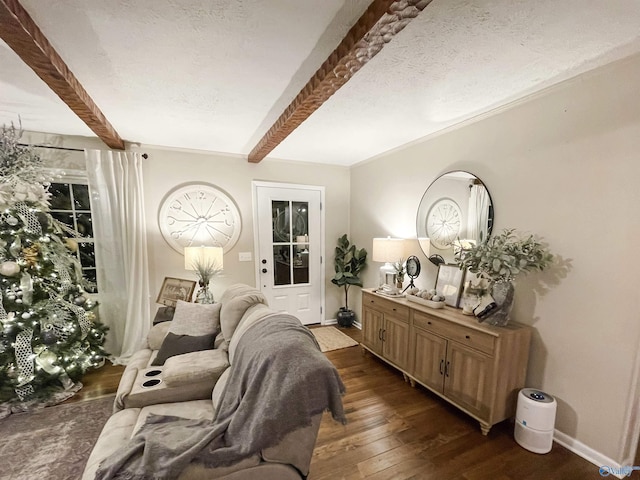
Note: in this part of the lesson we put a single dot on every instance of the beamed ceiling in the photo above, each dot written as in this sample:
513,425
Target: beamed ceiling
329,81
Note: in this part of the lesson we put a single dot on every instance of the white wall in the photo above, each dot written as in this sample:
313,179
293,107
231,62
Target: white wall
166,169
564,165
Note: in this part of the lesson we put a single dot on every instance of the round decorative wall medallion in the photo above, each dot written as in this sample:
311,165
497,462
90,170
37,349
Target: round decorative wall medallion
196,214
444,222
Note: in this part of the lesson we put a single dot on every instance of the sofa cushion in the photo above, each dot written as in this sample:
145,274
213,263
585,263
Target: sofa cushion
193,328
218,389
115,433
203,366
180,344
296,448
235,291
156,335
253,314
196,319
233,310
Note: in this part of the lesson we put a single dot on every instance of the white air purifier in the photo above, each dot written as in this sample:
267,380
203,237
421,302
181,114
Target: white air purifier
535,420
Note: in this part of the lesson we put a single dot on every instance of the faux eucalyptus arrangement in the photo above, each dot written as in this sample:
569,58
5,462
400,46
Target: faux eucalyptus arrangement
501,258
205,270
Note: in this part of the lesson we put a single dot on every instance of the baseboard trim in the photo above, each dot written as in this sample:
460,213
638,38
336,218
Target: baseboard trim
333,321
589,454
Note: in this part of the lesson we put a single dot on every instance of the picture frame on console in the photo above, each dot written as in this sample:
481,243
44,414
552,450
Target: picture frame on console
449,282
174,289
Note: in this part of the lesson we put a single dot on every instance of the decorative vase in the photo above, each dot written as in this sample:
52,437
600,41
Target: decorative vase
502,293
346,317
204,296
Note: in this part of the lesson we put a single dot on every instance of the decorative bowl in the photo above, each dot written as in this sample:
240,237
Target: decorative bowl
424,301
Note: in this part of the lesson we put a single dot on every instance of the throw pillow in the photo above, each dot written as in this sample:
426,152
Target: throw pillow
178,344
193,328
195,318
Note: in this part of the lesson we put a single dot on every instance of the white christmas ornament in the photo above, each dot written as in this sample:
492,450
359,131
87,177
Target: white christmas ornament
9,269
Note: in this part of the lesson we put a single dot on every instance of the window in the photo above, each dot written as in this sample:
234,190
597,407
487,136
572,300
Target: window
70,204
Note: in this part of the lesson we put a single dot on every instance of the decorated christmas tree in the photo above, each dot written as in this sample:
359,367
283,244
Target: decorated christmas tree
49,333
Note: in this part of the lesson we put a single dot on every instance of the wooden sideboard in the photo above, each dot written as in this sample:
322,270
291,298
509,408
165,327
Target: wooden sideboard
478,368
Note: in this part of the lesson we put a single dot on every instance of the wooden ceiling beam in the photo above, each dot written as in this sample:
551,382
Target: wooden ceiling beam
376,27
21,33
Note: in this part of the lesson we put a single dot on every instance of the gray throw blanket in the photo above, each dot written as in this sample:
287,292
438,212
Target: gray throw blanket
278,382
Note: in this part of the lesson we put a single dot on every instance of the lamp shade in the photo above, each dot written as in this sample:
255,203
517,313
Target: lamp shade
388,249
203,256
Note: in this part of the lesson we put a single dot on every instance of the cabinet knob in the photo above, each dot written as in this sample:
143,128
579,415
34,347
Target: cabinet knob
429,323
467,337
394,309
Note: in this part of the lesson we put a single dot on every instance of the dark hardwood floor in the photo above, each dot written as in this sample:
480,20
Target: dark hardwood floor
98,383
395,432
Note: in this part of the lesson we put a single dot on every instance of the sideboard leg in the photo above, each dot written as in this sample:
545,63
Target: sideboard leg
412,382
404,377
485,428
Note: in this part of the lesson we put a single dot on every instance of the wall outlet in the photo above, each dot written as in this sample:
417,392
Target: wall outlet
244,256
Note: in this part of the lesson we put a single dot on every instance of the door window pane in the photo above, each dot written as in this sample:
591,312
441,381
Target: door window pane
280,218
300,219
281,264
301,263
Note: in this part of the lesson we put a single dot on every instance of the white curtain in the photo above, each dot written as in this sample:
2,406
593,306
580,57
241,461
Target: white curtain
478,217
117,203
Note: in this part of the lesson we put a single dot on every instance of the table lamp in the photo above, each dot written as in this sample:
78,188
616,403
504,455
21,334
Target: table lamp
388,250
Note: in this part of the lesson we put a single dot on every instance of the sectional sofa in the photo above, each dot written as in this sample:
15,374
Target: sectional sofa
194,378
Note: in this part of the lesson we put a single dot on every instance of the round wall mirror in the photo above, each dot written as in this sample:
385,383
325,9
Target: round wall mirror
456,210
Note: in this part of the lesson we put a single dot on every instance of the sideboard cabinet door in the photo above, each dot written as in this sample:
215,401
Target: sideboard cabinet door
372,325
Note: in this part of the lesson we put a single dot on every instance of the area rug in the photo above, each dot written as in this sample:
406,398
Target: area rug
330,338
54,442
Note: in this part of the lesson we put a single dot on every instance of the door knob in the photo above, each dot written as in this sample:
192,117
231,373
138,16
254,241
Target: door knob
264,260
264,270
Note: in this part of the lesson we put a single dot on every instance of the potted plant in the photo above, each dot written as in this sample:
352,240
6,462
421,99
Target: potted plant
499,260
348,263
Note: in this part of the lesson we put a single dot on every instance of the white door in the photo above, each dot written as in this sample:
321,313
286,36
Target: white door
289,248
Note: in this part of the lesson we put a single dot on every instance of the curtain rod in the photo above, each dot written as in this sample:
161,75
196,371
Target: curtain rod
144,155
51,147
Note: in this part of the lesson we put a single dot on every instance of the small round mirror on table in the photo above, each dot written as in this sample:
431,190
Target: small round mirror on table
456,209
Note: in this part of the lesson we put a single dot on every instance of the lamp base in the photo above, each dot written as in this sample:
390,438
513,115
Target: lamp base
388,279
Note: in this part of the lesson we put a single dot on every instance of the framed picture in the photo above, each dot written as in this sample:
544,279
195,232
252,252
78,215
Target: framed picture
449,283
174,289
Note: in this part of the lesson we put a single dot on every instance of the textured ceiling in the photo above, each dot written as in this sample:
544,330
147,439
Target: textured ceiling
214,75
